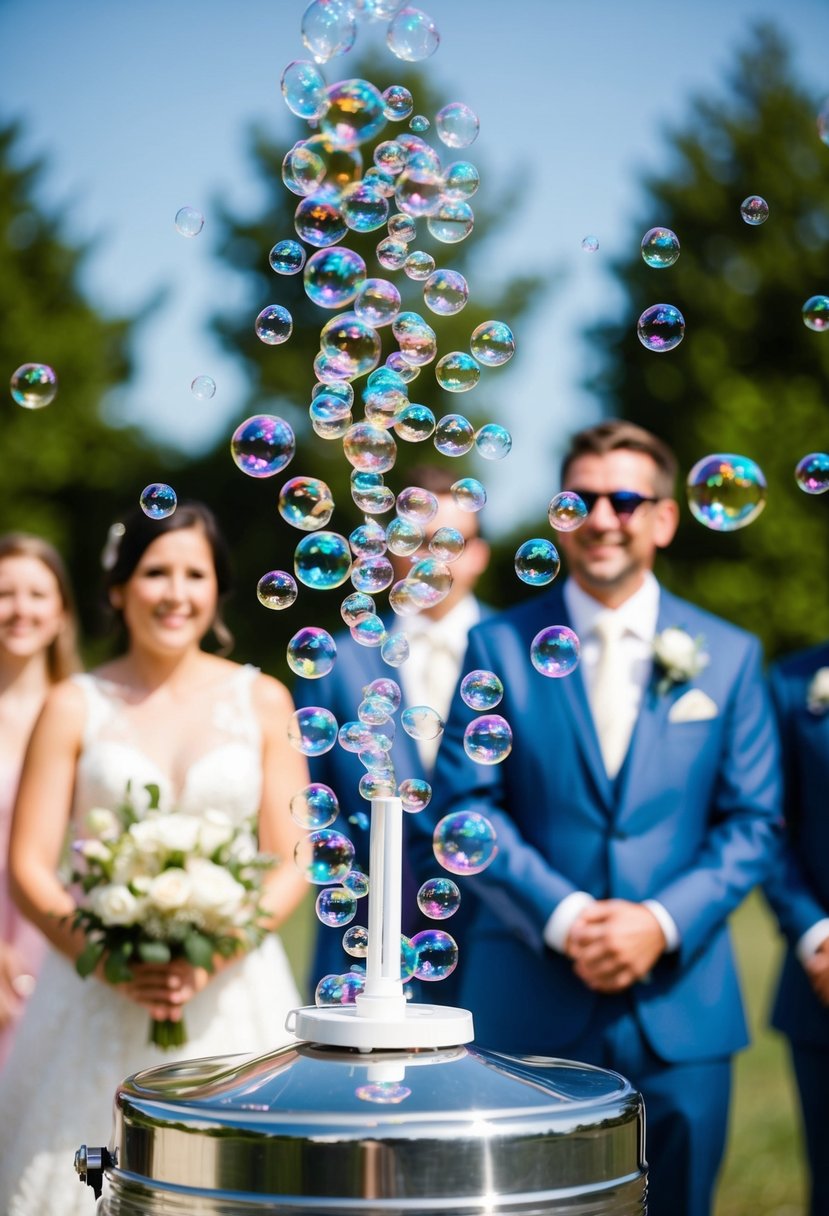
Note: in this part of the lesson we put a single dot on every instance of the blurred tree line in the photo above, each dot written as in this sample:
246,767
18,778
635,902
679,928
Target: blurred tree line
748,378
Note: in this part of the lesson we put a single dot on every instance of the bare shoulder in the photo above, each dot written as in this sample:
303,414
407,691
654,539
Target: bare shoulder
271,698
64,713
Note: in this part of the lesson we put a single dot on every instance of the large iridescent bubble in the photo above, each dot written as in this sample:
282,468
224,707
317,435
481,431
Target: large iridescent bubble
445,292
336,907
566,511
554,651
492,343
464,842
437,954
661,327
726,492
537,562
488,739
439,898
416,505
311,652
481,690
319,221
660,248
377,302
333,276
325,857
322,560
412,35
262,445
306,503
315,806
303,88
312,730
369,449
355,113
328,28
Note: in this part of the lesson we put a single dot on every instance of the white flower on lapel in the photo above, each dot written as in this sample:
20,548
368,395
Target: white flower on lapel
678,656
817,695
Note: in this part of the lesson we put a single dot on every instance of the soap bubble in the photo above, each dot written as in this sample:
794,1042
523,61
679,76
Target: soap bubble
336,907
415,794
404,537
398,103
203,387
451,222
457,125
329,991
331,855
419,189
189,221
661,327
454,435
355,941
439,898
302,169
328,28
460,181
332,277
445,292
415,423
355,880
464,842
421,722
343,391
419,123
660,247
34,385
322,560
369,632
376,785
754,210
566,511
312,730
319,221
369,449
354,114
408,958
554,651
372,574
492,343
262,445
355,345
418,265
395,649
370,494
311,652
390,157
812,473
368,539
488,739
481,690
158,500
402,228
447,544
726,492
402,600
493,441
377,302
416,339
457,372
330,428
417,505
537,562
816,313
276,590
374,710
315,806
364,207
330,368
304,89
590,244
356,607
412,35
437,954
274,325
306,503
391,253
354,736
469,494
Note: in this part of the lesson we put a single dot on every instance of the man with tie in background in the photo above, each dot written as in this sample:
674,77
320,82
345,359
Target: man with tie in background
437,641
638,807
798,891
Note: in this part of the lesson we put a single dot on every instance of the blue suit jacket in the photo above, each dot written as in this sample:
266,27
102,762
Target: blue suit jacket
798,887
341,692
690,821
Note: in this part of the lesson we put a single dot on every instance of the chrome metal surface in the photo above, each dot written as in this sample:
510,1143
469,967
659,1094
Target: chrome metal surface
317,1131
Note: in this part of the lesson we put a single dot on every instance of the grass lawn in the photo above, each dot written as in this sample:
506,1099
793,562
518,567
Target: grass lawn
763,1172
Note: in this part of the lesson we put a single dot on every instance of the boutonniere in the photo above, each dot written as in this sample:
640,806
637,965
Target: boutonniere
817,694
679,658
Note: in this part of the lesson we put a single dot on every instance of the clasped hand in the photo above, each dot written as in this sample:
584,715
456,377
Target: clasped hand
817,968
613,943
163,989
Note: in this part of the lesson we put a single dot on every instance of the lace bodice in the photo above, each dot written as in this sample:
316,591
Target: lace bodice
225,772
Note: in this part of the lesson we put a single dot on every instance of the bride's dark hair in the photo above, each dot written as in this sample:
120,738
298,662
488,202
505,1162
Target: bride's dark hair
128,540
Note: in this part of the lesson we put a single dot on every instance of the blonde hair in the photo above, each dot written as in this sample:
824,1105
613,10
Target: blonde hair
62,653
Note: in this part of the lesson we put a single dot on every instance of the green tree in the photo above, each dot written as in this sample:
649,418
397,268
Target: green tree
64,466
749,377
281,378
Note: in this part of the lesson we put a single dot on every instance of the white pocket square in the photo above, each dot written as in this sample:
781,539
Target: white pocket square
693,706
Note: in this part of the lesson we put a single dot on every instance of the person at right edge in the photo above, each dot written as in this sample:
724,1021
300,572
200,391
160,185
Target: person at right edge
639,805
798,891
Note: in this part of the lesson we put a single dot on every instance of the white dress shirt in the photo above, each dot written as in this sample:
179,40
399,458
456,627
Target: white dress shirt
639,615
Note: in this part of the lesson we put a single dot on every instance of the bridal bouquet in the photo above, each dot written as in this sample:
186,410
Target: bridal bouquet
162,885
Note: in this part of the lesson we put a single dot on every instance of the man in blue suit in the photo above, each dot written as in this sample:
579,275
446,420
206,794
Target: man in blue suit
798,890
637,808
437,638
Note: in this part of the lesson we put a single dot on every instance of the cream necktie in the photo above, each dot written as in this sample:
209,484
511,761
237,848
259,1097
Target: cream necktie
610,688
439,678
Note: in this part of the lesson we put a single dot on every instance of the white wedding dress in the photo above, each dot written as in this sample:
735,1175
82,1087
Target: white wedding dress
80,1038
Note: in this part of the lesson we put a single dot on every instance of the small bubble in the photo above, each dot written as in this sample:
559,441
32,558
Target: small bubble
336,907
469,494
369,632
454,435
398,103
276,590
415,794
303,88
660,248
492,343
493,441
661,327
419,123
34,385
590,244
328,28
262,445
437,954
395,649
445,292
421,722
555,651
754,210
158,500
189,221
451,222
312,730
812,473
333,277
488,739
315,806
331,855
481,690
274,325
355,941
464,842
457,372
566,511
457,125
439,898
311,653
412,35
322,560
816,313
447,544
203,387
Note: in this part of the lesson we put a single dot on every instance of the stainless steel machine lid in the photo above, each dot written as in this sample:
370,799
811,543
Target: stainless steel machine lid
307,1124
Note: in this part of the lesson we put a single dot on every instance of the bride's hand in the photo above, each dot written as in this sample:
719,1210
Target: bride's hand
164,989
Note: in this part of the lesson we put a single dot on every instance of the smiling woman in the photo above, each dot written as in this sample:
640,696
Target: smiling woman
165,725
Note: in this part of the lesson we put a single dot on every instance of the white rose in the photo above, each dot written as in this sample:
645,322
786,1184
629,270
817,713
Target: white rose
214,831
116,905
213,890
818,693
171,833
170,890
244,847
94,850
676,650
103,823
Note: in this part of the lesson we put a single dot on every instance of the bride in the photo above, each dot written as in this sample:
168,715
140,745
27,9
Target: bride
211,734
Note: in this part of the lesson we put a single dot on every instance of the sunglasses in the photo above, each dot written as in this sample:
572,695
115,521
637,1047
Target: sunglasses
623,502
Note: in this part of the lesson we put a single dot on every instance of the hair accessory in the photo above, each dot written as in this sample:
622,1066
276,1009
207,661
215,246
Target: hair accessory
109,553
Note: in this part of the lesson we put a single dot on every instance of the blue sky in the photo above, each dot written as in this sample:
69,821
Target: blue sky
141,108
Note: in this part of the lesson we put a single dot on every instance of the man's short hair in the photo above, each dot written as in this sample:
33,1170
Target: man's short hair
615,435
